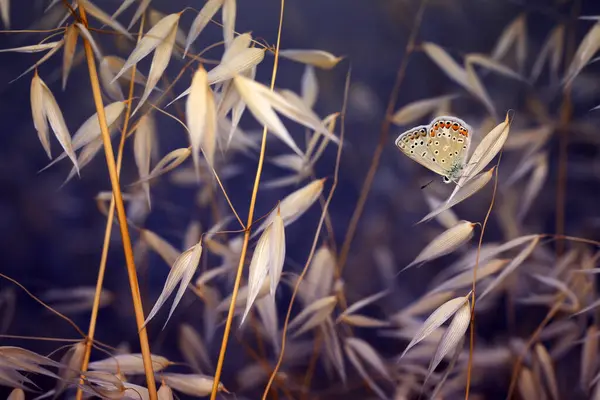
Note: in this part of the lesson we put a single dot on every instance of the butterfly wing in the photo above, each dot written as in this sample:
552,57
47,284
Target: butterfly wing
413,143
449,139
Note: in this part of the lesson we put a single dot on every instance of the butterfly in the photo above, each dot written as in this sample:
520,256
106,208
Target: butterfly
442,146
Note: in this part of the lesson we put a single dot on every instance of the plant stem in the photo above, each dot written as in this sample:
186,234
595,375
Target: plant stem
383,140
107,231
238,277
118,199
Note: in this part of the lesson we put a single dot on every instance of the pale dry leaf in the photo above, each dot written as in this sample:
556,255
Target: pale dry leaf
129,364
446,63
586,50
207,12
313,315
548,370
589,358
309,86
164,393
138,13
363,303
259,268
517,261
295,204
355,361
469,189
181,272
112,89
42,60
86,35
124,6
151,40
169,162
422,305
453,335
195,114
193,349
38,114
317,58
445,243
369,355
478,90
191,384
143,147
436,319
416,110
103,17
560,286
34,48
154,16
68,52
277,258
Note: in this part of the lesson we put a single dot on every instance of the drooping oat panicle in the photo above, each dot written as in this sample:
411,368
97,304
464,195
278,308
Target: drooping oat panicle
295,204
190,384
313,315
463,193
48,109
453,335
163,31
207,12
586,50
103,17
229,11
71,34
436,319
260,266
416,110
129,364
144,145
181,272
193,349
317,58
518,260
445,243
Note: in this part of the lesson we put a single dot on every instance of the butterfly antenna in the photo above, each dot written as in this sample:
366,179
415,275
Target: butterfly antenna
427,184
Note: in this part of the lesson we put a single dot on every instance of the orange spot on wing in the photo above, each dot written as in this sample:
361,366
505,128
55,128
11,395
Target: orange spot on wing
448,124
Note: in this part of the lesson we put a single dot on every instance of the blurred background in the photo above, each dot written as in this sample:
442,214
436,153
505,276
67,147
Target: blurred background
51,235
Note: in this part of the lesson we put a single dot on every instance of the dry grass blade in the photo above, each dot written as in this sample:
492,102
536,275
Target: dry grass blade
193,349
181,272
491,64
138,13
436,319
295,204
52,112
452,336
363,303
317,58
163,248
518,260
277,251
259,268
42,60
552,50
193,385
38,114
309,86
129,364
165,393
487,149
369,355
548,370
207,12
103,17
446,63
445,243
355,361
69,52
416,110
462,193
85,33
171,161
35,48
515,33
446,218
536,182
589,358
313,315
586,50
478,90
144,145
465,279
155,36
